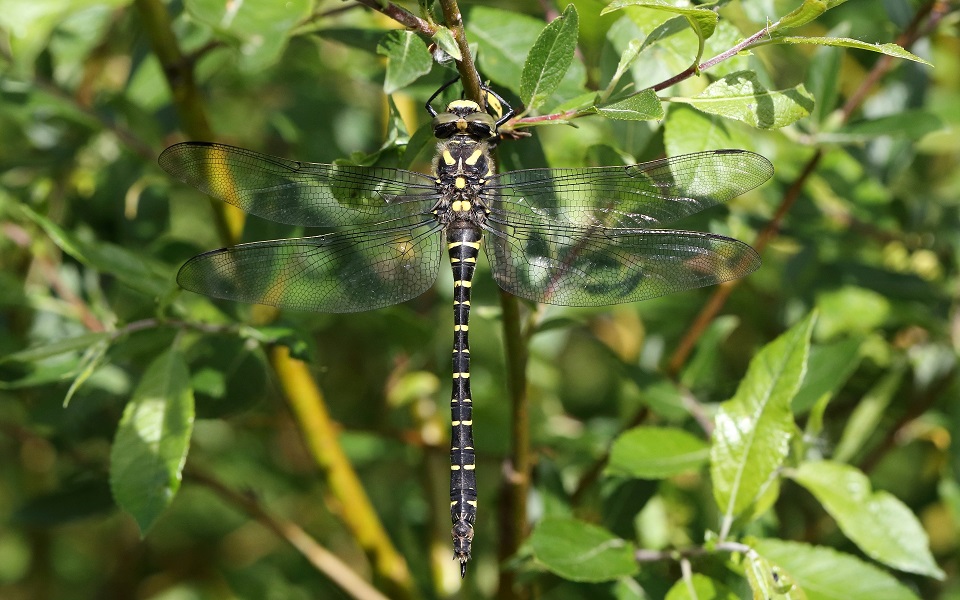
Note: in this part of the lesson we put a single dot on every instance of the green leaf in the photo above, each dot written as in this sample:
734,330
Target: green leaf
549,59
769,581
852,311
686,130
806,12
152,440
581,551
888,49
752,431
642,106
407,59
92,358
656,453
825,574
149,277
909,124
867,415
741,96
260,30
444,38
504,40
702,20
829,367
877,522
700,587
42,351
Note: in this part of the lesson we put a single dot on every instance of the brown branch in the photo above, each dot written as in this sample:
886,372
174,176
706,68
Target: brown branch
400,15
325,561
716,302
187,100
321,435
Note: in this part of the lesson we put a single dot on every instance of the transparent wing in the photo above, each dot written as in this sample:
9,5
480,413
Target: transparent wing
339,272
646,195
575,266
299,193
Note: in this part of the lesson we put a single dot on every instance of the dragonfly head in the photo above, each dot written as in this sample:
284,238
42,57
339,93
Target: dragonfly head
464,117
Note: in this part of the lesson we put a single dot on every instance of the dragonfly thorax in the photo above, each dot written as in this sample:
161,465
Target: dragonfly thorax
462,167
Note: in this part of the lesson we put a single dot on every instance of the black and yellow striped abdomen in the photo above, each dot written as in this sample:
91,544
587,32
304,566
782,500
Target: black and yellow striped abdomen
464,246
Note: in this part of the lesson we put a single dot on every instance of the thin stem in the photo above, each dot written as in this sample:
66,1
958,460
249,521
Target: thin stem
322,437
468,70
400,15
644,556
716,302
325,561
516,481
187,100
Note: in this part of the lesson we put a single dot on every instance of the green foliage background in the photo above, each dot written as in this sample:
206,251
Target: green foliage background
806,448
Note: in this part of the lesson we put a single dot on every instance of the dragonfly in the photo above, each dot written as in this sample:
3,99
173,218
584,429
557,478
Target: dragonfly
573,237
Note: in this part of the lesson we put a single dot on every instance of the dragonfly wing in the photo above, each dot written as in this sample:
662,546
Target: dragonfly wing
574,266
339,272
641,196
300,193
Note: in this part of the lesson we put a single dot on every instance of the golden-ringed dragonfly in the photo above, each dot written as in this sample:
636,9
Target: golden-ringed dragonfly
573,237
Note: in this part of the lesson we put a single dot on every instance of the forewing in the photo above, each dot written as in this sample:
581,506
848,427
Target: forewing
339,272
642,196
575,266
299,193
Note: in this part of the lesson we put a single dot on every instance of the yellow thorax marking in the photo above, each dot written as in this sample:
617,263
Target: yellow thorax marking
460,182
448,158
473,158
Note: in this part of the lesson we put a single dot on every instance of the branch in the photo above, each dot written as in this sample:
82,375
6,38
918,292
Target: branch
321,435
325,561
911,34
187,101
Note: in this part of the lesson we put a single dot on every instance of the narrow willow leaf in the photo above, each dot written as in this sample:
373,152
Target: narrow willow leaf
752,430
910,124
889,49
866,416
549,59
741,96
656,453
407,59
642,106
444,38
42,351
829,367
700,587
803,14
770,581
150,277
826,574
702,20
627,57
150,448
877,522
92,358
581,551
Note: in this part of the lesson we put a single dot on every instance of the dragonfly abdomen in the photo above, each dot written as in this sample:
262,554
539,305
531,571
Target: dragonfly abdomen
463,245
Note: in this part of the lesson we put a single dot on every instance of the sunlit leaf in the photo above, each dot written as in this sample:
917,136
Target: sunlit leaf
656,452
825,574
741,96
752,430
407,59
151,444
580,551
549,58
876,521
